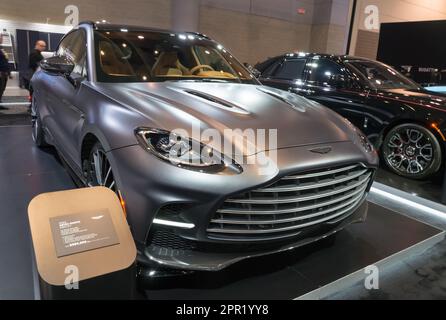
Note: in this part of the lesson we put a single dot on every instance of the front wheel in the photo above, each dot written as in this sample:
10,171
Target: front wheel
412,151
98,170
38,133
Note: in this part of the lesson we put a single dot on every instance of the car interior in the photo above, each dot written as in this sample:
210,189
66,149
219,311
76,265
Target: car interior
120,57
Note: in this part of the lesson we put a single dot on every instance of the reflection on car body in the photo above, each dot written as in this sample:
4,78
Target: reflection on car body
403,120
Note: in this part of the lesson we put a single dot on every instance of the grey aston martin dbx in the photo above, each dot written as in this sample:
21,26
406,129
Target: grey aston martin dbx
111,102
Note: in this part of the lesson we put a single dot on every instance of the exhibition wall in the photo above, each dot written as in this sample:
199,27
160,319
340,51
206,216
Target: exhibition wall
371,13
252,29
155,13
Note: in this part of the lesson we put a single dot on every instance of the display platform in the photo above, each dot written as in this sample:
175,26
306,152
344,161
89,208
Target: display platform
318,269
386,237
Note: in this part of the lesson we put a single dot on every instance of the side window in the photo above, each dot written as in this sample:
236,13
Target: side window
322,70
74,46
269,71
290,69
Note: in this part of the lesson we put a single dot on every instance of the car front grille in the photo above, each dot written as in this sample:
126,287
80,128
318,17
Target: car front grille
292,204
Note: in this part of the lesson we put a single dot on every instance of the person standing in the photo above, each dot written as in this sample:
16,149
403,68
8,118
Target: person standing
5,71
35,56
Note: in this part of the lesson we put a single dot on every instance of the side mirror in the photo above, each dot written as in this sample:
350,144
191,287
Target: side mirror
59,65
253,70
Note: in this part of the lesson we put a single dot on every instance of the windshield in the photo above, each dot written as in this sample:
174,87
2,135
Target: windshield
132,56
380,76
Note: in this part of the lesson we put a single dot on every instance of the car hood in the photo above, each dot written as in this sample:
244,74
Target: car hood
225,106
420,98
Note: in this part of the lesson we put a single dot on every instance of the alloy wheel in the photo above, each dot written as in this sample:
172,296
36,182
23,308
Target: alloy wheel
101,173
34,122
412,151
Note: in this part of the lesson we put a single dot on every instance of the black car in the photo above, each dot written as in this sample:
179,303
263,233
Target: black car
404,121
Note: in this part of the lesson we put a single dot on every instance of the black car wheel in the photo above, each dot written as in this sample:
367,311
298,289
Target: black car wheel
98,170
38,133
412,151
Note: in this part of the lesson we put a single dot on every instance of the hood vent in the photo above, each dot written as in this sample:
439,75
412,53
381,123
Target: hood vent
211,98
280,97
277,96
221,103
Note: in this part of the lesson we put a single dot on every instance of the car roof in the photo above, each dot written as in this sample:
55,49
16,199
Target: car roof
323,55
113,27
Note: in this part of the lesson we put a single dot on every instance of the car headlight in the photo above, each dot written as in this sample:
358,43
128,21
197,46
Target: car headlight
363,140
184,152
368,146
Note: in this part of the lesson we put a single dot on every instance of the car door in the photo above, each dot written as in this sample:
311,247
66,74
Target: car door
64,98
331,84
285,73
383,105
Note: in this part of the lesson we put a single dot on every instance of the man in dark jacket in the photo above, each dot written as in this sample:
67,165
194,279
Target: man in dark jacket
35,56
5,71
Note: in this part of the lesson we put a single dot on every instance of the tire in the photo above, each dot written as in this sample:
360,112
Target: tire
97,169
38,133
412,151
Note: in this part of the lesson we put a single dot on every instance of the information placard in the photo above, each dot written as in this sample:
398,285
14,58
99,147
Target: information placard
82,232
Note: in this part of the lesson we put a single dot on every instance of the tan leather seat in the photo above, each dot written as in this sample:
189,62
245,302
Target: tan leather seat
111,61
167,65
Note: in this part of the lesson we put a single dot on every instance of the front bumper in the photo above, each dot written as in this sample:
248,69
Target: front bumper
216,258
149,184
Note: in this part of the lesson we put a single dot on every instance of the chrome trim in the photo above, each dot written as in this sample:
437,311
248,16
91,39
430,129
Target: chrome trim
314,186
291,204
320,174
245,232
293,210
302,198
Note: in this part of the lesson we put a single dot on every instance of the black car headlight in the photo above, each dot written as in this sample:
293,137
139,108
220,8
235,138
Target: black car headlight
365,142
362,138
184,152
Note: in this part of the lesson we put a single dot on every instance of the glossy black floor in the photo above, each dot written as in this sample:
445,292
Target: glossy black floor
429,189
12,114
26,171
